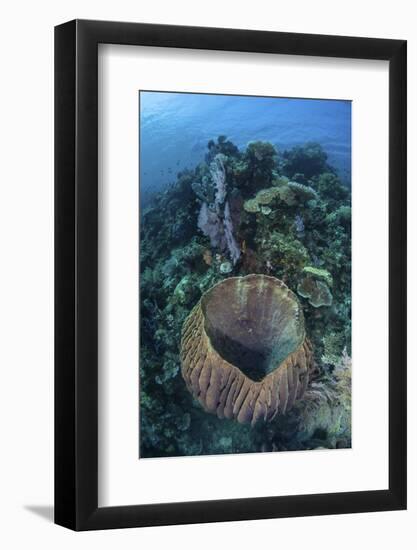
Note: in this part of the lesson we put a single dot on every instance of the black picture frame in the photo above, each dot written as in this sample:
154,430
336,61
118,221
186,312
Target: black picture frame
76,272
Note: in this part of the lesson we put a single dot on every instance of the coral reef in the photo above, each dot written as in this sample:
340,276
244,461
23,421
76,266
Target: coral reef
281,214
243,349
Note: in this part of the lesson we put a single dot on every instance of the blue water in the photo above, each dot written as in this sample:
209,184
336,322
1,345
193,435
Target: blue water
175,129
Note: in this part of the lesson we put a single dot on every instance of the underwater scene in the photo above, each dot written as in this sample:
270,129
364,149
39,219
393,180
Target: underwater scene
245,274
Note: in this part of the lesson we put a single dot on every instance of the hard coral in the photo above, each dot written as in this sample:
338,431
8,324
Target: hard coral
287,195
317,292
287,254
266,196
302,192
317,273
262,198
251,206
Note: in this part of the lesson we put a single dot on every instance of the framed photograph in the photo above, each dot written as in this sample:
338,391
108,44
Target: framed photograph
230,248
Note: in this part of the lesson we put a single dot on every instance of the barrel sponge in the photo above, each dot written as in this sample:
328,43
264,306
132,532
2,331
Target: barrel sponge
244,353
316,291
